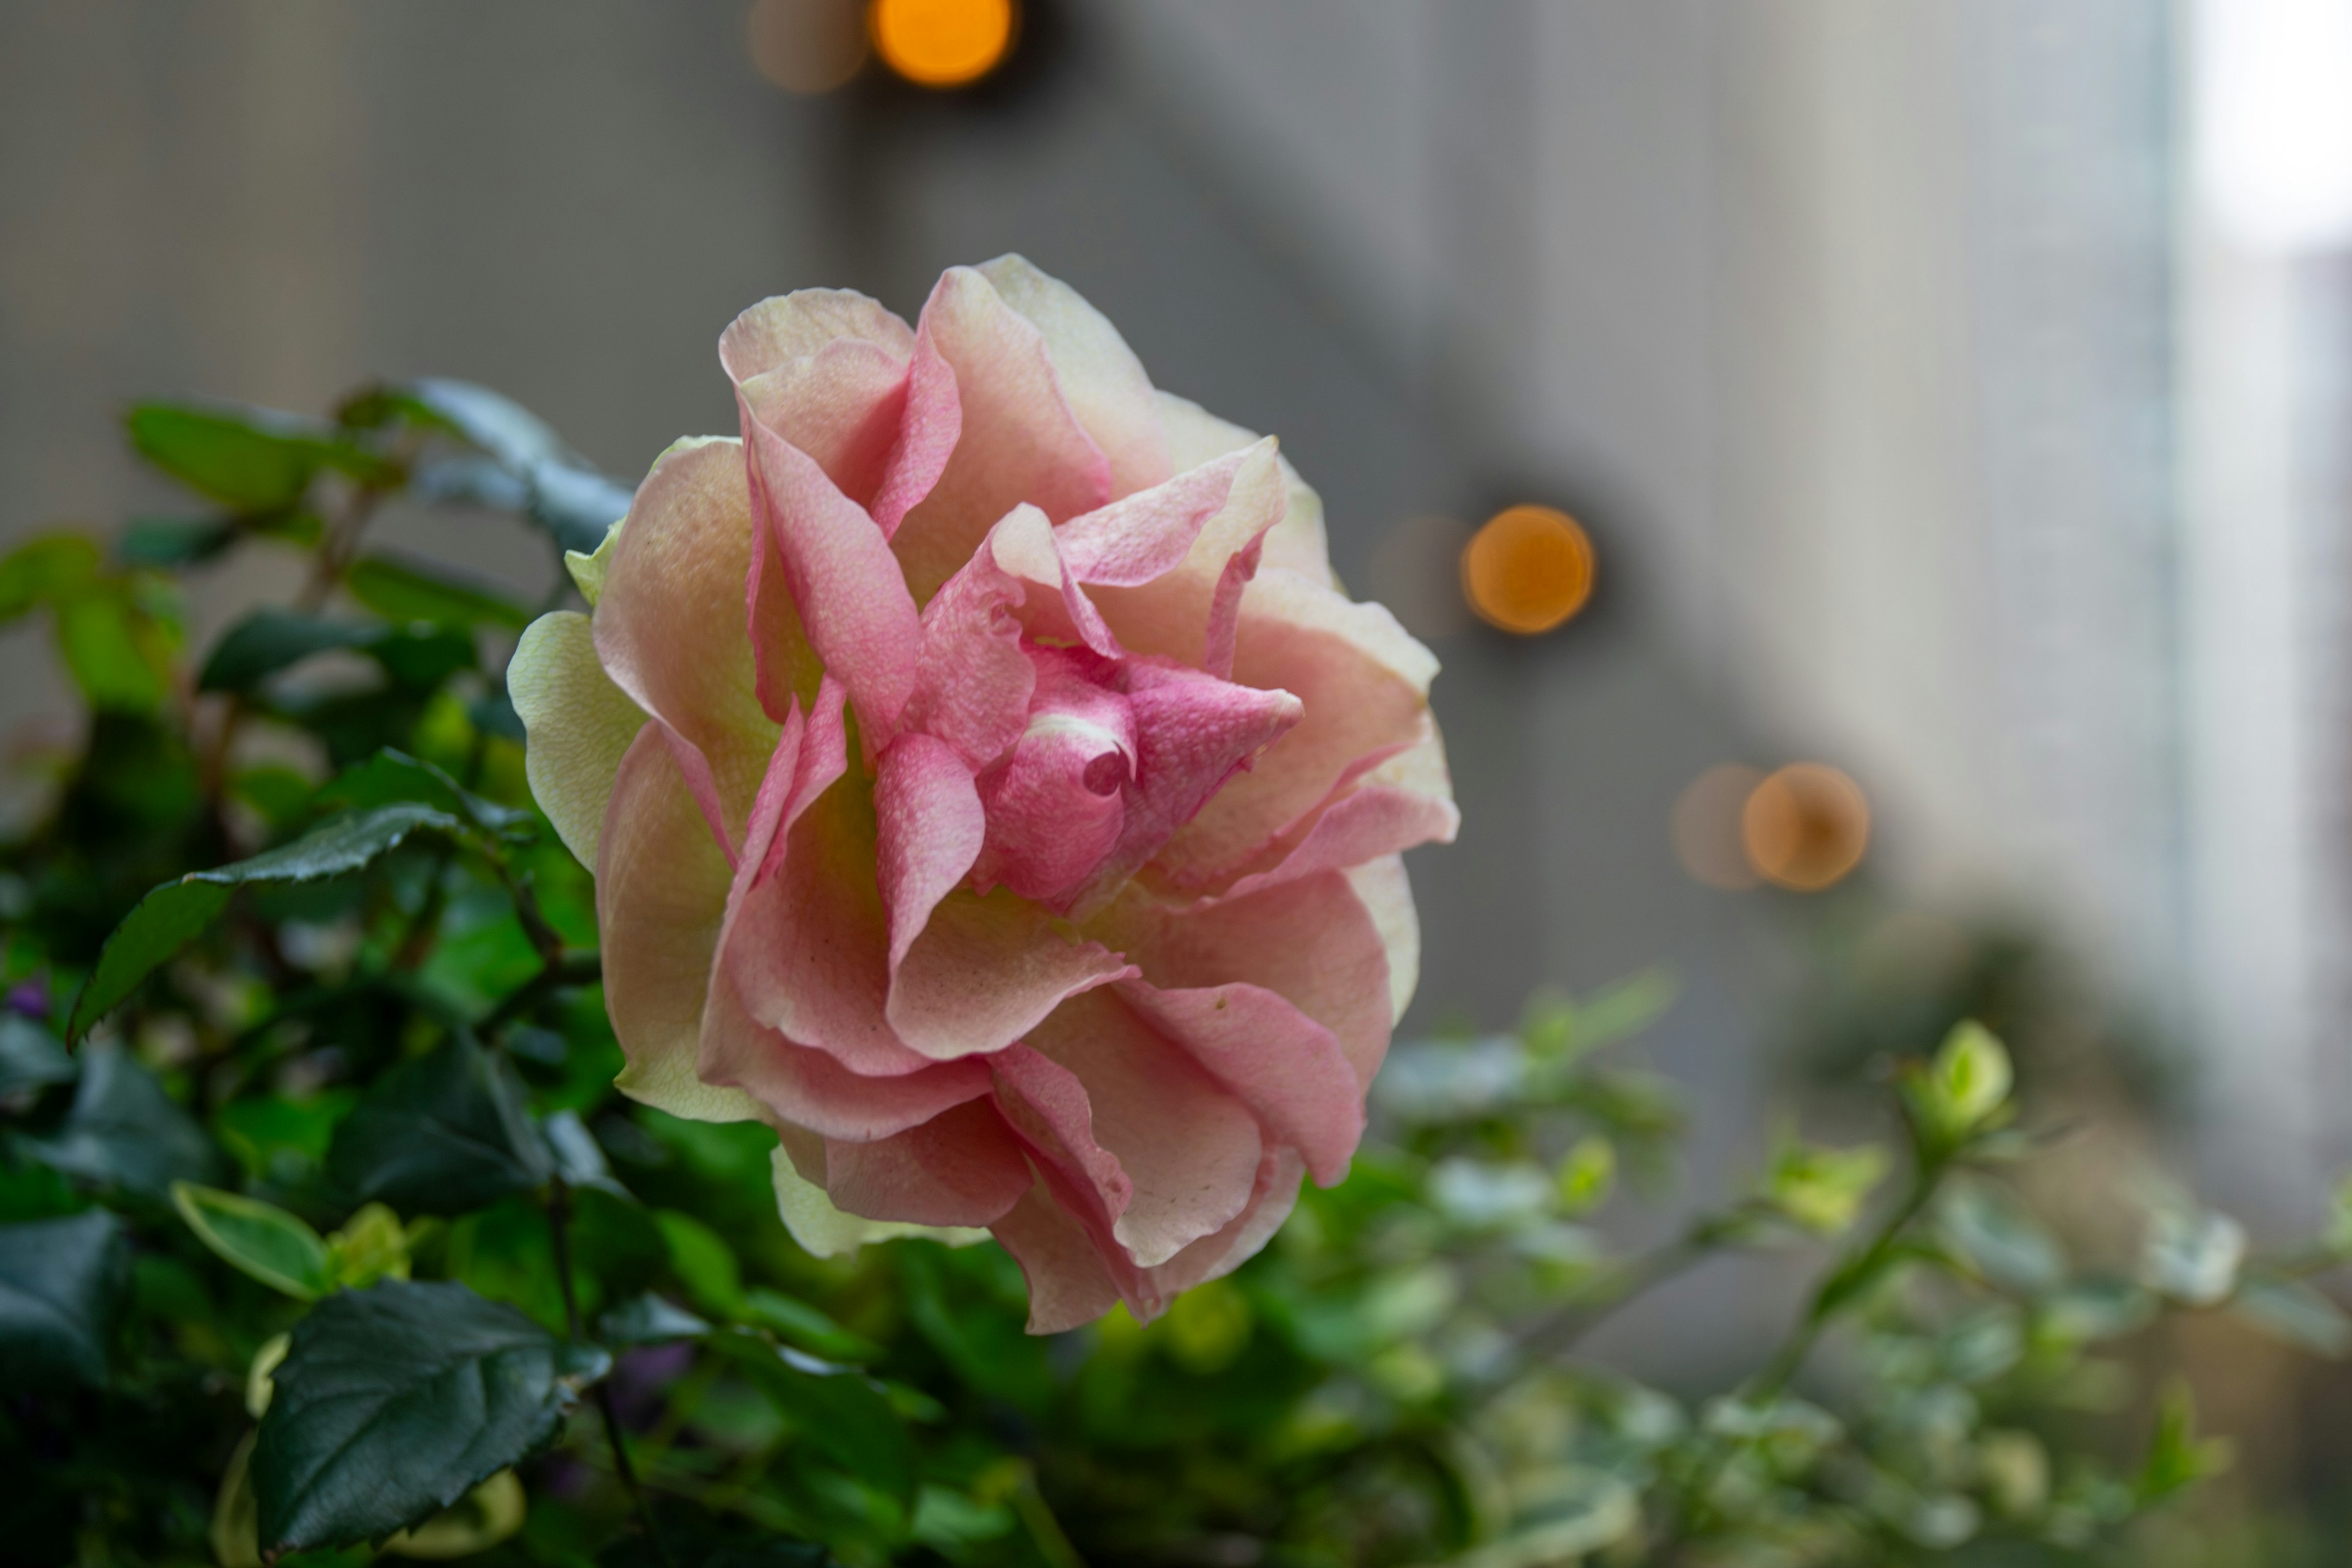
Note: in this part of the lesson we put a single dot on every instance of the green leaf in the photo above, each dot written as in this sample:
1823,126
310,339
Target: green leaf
445,1133
2177,1458
1966,1085
41,570
397,1400
2290,1311
60,1288
256,459
165,542
1999,1239
124,1132
270,640
2192,1255
259,1238
402,589
838,1410
391,777
649,1319
799,1323
502,428
172,916
30,1056
1821,1189
117,653
704,1263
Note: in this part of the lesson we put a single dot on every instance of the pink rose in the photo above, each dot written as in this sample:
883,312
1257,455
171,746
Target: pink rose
990,788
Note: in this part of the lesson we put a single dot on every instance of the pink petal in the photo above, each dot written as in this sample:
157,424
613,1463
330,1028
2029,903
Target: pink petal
1146,535
1192,732
809,947
1286,1067
785,328
1213,1256
1055,805
810,1088
859,617
1195,436
827,369
931,425
1018,441
661,897
963,1167
928,832
972,682
668,626
1186,612
985,970
1311,940
1187,1148
1071,1281
1104,381
1364,684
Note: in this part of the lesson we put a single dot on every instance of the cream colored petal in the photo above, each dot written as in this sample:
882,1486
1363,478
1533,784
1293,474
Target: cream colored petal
588,571
824,1231
1296,543
1383,886
578,726
1100,375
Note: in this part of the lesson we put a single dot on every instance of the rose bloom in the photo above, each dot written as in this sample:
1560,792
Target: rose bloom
990,788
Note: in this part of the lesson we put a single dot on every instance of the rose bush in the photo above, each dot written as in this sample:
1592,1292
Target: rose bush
988,786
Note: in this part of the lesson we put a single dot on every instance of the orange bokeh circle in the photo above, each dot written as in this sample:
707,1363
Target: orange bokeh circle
1528,570
1805,826
942,43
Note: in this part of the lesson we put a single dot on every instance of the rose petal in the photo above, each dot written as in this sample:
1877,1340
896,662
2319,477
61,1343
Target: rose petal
577,723
668,622
1187,612
985,970
824,1231
1296,543
1056,804
1071,1281
1286,1067
929,826
809,947
661,895
810,1088
1018,438
1187,1149
1364,684
1104,381
963,1167
1387,896
1311,940
1214,1257
1144,536
1192,733
858,615
972,682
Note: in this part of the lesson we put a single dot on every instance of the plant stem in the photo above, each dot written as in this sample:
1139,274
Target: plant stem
564,969
559,1225
1559,1330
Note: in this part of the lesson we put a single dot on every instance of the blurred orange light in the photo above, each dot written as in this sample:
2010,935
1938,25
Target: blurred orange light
1706,826
941,42
1805,826
807,46
1528,570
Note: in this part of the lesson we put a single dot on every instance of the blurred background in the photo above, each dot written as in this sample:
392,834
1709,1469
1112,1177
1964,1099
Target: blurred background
1942,408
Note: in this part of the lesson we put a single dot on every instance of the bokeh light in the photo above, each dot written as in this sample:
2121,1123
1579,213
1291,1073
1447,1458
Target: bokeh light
942,43
807,46
1528,570
1705,826
1805,826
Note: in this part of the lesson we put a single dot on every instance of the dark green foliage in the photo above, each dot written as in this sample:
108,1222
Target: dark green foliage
60,1281
173,915
123,1131
444,1134
396,1400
